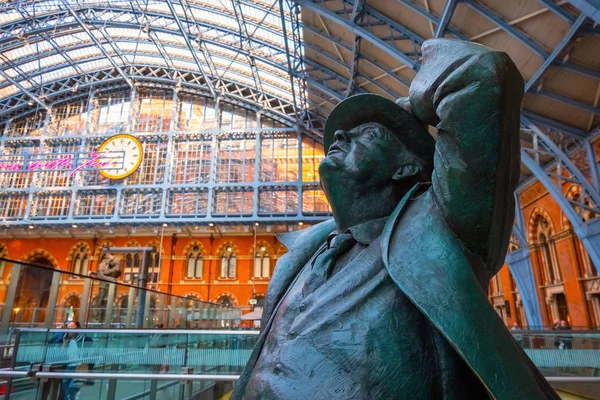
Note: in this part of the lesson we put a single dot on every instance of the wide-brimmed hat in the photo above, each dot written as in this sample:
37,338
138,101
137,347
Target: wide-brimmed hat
362,108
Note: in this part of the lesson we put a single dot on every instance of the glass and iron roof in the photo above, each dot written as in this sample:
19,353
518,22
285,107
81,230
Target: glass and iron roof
232,49
295,60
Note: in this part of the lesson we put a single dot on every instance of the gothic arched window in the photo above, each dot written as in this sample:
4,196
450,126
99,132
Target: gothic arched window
225,301
262,263
584,208
228,264
153,265
547,252
194,264
79,263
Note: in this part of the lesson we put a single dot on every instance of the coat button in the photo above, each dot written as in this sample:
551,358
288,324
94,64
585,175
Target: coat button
277,369
293,334
302,307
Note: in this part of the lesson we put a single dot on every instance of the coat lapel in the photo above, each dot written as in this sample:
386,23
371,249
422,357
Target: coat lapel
434,270
302,245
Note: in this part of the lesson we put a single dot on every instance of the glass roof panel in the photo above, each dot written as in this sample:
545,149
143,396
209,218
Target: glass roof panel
144,32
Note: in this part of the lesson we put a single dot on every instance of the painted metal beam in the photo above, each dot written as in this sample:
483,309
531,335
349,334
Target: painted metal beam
559,48
558,10
371,61
186,38
357,14
426,14
234,92
288,56
22,89
445,18
331,58
245,42
569,101
589,238
550,123
519,264
95,40
153,31
359,31
517,34
591,8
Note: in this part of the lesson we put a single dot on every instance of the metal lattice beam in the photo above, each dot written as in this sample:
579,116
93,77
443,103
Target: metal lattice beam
24,91
445,18
559,48
95,40
60,90
356,17
591,8
360,31
185,35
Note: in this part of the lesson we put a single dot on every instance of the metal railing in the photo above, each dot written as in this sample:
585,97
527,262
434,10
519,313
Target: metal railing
30,293
130,363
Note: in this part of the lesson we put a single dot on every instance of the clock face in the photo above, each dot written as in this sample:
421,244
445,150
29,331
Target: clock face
131,159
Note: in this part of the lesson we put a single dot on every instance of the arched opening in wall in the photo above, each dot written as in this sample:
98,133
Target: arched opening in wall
260,302
32,294
80,261
72,305
546,254
563,309
583,207
194,264
588,272
3,254
133,263
225,301
228,264
153,265
122,310
262,263
521,317
594,298
547,261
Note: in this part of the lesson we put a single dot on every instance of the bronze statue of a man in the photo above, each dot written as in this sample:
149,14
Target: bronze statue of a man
109,269
388,300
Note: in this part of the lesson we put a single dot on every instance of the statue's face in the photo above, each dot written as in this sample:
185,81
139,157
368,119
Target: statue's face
365,157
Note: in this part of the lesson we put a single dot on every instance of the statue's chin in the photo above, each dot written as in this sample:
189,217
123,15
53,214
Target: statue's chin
329,164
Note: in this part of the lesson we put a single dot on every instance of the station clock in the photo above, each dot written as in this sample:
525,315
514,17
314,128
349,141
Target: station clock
132,156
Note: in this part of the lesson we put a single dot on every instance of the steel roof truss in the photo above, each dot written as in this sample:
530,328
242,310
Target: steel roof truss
95,40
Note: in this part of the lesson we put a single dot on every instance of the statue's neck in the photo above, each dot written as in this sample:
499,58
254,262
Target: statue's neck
354,208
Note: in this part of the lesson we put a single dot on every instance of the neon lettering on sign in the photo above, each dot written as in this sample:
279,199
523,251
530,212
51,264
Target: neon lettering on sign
65,163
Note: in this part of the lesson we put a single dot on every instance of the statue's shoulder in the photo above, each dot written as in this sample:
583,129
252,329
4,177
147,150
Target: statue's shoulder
417,229
307,237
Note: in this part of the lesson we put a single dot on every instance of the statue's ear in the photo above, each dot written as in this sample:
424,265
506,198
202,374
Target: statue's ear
407,171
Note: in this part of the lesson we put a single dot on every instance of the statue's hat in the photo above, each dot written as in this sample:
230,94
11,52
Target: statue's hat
368,107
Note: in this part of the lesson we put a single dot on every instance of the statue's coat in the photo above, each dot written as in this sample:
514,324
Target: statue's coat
442,245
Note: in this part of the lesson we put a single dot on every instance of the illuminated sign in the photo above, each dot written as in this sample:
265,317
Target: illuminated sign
72,162
118,157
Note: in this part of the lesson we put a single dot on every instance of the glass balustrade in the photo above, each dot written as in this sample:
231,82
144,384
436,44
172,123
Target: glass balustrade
124,363
178,364
562,352
29,297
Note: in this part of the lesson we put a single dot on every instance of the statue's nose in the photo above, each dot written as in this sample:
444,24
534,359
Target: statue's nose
341,135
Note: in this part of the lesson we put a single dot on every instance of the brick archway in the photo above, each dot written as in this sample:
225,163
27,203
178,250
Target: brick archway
532,225
41,253
230,295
